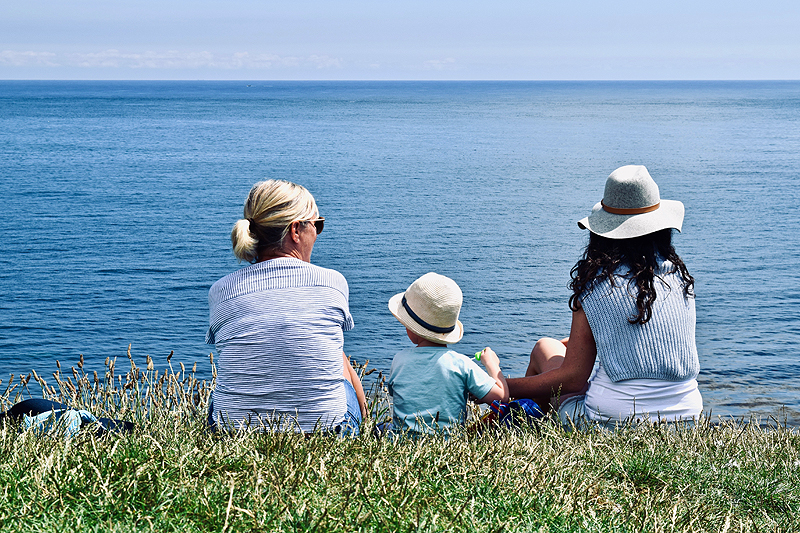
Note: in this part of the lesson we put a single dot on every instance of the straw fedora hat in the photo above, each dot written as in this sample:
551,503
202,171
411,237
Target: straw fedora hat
632,207
430,308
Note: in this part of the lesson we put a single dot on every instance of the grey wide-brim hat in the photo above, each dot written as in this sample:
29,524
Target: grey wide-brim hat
632,207
430,308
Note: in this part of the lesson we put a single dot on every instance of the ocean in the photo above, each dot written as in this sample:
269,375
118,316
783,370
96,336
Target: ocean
119,198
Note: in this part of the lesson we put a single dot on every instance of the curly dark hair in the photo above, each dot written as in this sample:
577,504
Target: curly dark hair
640,254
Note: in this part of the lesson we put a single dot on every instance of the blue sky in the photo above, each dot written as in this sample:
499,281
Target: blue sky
399,40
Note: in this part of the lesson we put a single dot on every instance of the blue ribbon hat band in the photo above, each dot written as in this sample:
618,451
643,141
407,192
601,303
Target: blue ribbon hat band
418,320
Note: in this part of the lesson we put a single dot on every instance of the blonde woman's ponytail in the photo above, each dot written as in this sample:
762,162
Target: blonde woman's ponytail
244,243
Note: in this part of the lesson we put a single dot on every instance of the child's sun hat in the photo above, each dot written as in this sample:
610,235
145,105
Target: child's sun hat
632,207
430,308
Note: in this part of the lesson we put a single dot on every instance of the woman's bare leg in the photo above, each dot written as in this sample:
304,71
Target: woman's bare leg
547,354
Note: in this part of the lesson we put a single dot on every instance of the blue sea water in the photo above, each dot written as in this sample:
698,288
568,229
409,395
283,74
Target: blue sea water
118,200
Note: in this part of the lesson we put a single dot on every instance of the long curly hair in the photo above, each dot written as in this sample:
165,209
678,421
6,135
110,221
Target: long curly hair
603,256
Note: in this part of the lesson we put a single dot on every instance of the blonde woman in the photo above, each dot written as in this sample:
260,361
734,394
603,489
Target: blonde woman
278,323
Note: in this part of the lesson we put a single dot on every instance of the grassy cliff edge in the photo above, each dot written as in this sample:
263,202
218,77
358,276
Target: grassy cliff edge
171,474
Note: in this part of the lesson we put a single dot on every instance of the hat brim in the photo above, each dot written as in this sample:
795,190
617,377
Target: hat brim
668,215
400,313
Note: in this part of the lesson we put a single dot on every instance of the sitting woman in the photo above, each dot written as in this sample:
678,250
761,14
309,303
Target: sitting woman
279,323
633,311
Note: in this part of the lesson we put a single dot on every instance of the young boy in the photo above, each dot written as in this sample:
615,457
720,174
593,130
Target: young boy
429,383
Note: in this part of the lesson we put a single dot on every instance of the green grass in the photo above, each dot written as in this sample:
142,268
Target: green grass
173,475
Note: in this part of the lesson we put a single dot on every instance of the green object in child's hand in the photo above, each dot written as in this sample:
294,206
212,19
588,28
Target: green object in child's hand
478,355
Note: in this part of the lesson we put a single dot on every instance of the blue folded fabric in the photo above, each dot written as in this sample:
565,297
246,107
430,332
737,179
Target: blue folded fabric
59,422
516,412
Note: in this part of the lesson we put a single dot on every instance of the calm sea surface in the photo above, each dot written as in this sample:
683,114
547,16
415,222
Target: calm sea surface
118,200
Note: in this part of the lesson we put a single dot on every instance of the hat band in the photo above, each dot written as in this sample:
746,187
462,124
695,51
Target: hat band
624,211
418,320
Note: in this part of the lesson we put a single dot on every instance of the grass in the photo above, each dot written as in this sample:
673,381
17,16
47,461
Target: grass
173,475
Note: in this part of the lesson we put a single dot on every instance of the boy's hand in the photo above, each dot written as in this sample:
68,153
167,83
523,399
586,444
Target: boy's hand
492,364
489,358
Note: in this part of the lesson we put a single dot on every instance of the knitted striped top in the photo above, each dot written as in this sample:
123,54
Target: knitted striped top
278,328
663,348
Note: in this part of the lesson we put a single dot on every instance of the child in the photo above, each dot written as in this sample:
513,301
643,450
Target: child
429,383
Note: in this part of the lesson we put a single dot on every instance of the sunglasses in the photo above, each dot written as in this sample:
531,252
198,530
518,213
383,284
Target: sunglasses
319,224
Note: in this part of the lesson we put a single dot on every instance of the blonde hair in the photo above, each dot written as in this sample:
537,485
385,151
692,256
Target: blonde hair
269,211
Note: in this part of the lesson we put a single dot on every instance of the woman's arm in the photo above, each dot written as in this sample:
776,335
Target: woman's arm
492,364
351,376
573,373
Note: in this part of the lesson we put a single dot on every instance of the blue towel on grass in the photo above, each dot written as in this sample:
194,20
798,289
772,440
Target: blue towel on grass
59,422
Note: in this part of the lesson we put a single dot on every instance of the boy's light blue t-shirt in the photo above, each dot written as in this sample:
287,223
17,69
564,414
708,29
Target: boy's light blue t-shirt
429,387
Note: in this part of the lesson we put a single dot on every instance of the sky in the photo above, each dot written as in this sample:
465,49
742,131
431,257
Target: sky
399,40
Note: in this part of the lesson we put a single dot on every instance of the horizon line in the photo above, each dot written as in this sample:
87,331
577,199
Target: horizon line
395,80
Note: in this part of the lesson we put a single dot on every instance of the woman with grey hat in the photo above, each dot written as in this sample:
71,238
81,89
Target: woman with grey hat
633,314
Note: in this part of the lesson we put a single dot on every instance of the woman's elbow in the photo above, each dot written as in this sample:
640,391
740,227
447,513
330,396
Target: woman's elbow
575,383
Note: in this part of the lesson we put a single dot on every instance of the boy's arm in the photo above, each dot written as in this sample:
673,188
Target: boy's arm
492,364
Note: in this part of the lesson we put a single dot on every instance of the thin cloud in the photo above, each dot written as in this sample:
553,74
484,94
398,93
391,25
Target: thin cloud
440,64
325,61
24,59
171,59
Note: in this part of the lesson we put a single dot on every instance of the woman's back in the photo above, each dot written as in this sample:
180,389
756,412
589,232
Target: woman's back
643,368
661,348
278,326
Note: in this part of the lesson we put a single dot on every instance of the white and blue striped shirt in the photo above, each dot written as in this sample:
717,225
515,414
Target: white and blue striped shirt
278,327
